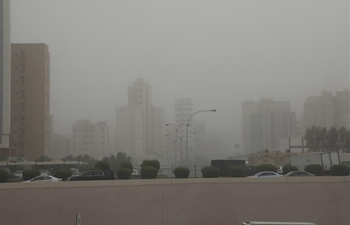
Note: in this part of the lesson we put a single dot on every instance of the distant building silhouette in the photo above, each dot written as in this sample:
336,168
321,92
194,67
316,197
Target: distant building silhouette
327,110
265,123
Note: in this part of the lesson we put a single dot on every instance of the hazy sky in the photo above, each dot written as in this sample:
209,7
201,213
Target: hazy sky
219,53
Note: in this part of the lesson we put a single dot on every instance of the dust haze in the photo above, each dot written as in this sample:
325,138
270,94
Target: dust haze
218,53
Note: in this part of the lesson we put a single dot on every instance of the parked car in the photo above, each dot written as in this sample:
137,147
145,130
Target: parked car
299,174
18,174
266,174
94,175
43,178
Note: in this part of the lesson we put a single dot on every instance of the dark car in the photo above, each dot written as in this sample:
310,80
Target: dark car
94,175
299,174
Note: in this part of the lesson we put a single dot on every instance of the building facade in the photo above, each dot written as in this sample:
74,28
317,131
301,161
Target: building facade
183,111
90,138
158,133
140,103
265,123
30,101
327,110
5,74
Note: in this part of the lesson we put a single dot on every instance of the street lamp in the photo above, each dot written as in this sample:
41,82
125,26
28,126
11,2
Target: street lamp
188,121
176,129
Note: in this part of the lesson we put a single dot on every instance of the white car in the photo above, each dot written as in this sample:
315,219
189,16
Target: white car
43,178
266,174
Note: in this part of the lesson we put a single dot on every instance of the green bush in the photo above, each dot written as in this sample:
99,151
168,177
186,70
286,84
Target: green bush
237,171
29,174
124,173
127,164
154,163
181,172
63,173
288,168
315,169
148,172
102,164
265,167
4,176
210,172
340,170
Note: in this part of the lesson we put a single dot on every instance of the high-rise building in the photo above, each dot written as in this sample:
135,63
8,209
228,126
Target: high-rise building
265,123
30,101
158,132
90,138
140,127
140,102
327,110
183,111
5,74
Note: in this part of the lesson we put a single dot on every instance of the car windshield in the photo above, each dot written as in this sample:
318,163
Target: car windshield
177,112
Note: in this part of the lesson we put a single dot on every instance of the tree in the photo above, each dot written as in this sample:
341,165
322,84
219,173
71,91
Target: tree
4,176
181,172
344,140
237,171
332,140
288,168
63,173
155,163
68,158
312,138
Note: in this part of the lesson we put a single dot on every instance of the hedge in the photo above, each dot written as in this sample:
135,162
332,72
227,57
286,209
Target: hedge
128,165
102,164
154,163
4,176
29,174
315,169
124,173
288,168
181,172
148,172
63,173
210,172
237,171
265,167
340,170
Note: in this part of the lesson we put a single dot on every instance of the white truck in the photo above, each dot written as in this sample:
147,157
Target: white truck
326,159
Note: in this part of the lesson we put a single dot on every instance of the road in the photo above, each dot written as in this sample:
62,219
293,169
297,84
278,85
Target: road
179,204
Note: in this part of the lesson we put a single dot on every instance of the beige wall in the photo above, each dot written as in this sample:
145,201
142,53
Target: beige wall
30,103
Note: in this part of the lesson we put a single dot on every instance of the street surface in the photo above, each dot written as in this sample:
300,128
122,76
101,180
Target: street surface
179,204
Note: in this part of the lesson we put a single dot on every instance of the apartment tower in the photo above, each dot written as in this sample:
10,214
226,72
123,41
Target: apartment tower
5,74
30,102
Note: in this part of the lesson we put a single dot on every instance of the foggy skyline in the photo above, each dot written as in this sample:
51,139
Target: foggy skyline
219,54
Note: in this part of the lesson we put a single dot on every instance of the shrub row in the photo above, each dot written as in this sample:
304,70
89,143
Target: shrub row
4,176
29,174
125,170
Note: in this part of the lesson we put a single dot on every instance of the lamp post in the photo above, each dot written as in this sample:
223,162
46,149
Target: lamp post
201,111
176,129
181,143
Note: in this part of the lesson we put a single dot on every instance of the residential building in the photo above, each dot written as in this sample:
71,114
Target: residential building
183,111
158,133
265,123
128,134
5,74
140,103
327,110
90,138
30,101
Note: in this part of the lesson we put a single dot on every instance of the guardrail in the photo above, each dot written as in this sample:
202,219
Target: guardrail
140,182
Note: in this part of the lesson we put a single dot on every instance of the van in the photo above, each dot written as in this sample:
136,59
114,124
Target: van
277,223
